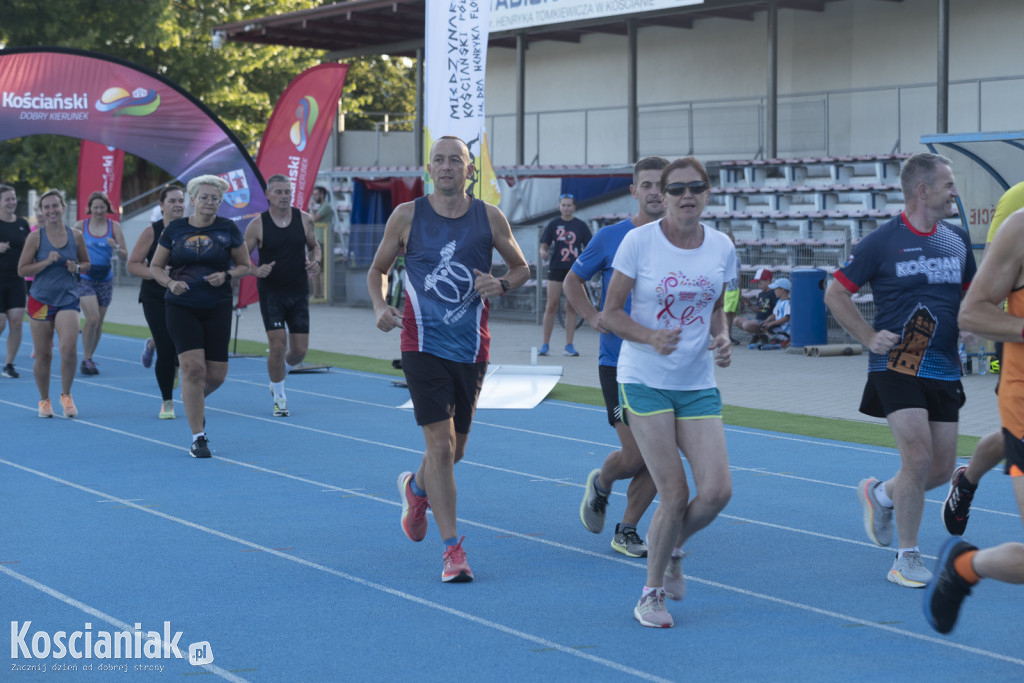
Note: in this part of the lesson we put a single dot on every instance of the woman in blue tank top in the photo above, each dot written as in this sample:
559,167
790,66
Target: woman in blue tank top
55,255
103,238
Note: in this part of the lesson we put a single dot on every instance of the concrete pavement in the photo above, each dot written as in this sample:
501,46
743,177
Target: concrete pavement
772,380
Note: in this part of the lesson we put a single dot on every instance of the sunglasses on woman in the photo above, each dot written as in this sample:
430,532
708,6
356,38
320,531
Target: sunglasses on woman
678,189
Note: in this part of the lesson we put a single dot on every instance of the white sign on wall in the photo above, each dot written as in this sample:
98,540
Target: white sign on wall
508,15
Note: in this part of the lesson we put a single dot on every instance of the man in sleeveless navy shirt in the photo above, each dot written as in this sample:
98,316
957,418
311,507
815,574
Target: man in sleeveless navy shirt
283,235
448,238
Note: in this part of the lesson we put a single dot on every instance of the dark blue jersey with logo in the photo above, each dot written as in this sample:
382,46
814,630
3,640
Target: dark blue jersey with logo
917,280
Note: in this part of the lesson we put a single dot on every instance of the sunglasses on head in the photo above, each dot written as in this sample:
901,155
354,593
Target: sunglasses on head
567,196
678,189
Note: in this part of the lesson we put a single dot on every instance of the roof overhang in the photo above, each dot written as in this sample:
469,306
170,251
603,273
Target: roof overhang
360,28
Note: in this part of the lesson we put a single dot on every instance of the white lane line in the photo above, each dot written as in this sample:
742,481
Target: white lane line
102,616
352,492
324,432
501,628
494,625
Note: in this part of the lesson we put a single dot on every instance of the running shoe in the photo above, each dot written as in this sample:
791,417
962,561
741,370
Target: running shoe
414,509
877,519
593,506
455,568
89,367
675,582
957,507
629,543
543,351
148,349
281,408
650,611
10,372
908,570
69,405
944,595
570,350
45,409
167,410
200,448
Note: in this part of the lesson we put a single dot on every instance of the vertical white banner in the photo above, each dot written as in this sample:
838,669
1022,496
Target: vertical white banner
456,63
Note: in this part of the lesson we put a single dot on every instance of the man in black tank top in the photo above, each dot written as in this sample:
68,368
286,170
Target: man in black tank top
283,235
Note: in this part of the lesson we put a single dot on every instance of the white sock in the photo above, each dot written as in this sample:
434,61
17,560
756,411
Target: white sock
648,590
676,552
278,389
289,367
882,497
195,437
899,553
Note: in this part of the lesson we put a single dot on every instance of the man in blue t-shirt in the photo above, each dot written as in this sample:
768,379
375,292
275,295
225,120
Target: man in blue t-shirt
626,462
918,269
563,240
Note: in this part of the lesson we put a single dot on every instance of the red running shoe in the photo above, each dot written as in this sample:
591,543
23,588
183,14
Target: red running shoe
414,509
455,568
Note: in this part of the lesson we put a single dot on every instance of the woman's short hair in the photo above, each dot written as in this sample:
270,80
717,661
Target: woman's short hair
686,162
100,195
218,182
50,193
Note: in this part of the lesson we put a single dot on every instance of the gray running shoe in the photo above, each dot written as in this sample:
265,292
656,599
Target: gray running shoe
675,582
629,543
593,506
910,571
650,611
877,519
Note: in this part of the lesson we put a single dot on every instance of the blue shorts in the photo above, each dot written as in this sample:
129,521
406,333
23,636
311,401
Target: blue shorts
696,404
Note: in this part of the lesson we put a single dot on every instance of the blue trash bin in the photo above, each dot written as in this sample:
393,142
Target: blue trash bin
807,307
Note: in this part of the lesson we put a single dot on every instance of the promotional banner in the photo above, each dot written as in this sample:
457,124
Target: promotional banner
294,140
99,169
90,96
300,126
456,59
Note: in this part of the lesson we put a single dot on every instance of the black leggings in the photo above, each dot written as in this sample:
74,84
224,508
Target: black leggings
166,357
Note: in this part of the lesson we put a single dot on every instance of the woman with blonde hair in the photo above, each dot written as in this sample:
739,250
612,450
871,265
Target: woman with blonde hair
204,252
55,255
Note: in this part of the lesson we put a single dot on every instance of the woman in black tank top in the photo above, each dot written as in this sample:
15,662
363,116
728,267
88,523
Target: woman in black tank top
151,296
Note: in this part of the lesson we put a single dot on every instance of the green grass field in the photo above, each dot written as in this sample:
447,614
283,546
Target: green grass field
769,420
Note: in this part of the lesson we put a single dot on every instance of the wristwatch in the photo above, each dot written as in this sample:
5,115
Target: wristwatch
505,285
227,276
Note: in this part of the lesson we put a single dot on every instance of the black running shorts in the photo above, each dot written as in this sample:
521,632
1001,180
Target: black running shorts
279,311
442,389
887,391
608,375
201,328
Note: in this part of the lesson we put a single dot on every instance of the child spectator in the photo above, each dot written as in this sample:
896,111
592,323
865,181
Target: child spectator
762,307
776,326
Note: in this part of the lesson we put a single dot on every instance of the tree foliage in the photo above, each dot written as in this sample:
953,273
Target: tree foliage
240,82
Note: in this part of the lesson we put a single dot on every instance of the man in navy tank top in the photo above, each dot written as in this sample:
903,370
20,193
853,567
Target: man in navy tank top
448,238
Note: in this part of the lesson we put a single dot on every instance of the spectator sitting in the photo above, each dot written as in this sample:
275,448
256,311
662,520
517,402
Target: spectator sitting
761,307
776,326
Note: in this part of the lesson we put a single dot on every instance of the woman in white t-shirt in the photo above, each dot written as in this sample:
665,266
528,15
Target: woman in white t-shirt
677,270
